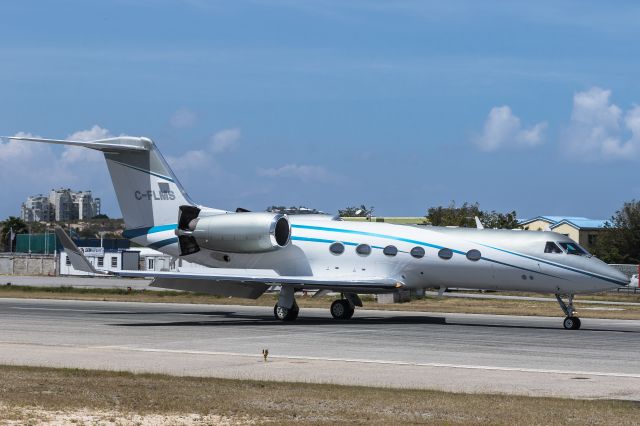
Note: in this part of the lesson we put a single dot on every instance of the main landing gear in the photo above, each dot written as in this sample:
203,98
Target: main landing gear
342,309
287,309
571,322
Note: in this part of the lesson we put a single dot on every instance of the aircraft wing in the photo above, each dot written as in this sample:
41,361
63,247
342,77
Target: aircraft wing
77,258
268,276
235,282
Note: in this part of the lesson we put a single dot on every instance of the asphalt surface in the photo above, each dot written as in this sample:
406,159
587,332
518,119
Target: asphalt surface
454,352
77,281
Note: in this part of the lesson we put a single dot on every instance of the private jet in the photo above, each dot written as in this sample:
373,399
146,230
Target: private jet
248,252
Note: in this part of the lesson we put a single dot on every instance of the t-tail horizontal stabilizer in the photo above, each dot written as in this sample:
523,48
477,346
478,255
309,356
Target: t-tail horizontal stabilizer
122,143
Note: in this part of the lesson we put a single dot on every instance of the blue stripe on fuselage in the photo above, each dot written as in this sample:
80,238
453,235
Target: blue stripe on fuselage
321,240
408,240
557,265
139,232
159,244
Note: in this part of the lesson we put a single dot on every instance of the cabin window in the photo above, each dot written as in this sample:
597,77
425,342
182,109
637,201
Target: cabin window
114,261
417,252
100,262
390,250
573,248
150,263
67,261
363,249
336,248
552,247
445,253
474,255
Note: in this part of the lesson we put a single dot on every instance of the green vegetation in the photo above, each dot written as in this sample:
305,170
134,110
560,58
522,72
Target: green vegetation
620,240
15,224
463,216
362,211
31,395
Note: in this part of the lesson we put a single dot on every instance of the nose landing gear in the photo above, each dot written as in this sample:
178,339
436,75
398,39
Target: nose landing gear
286,314
571,322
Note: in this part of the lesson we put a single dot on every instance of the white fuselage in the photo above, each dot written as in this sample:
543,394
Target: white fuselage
509,260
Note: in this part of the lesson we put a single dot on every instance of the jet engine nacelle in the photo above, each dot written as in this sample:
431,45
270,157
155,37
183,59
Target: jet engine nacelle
239,232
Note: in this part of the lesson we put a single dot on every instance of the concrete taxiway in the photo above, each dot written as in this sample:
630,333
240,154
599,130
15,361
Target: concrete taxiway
453,352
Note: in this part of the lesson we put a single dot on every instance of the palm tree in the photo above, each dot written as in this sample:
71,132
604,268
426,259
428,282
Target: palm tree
17,225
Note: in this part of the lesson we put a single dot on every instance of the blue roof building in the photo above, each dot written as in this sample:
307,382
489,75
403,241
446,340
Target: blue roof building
581,229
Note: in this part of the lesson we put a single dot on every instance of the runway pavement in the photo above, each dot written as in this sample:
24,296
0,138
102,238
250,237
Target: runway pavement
77,281
454,352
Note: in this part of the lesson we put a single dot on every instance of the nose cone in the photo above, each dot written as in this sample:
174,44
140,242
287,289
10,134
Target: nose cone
622,277
612,274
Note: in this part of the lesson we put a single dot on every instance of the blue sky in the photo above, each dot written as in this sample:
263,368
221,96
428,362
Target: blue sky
401,105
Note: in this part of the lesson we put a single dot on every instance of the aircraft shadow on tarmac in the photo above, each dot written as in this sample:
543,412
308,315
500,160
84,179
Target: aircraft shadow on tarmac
231,318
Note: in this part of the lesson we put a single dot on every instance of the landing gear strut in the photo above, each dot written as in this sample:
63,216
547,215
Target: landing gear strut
286,309
571,322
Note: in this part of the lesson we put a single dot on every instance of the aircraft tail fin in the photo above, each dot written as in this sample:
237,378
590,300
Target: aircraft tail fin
148,192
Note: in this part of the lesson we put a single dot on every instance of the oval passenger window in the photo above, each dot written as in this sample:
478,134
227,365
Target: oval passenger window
336,248
417,252
390,250
474,255
445,253
363,249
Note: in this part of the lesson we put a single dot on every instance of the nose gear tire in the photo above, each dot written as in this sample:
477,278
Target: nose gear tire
286,314
571,323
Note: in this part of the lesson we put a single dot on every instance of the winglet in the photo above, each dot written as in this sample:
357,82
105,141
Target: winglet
478,223
77,258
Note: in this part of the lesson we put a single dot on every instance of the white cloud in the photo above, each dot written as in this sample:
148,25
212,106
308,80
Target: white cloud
298,171
72,154
596,127
198,159
224,140
34,168
189,160
183,118
502,128
94,133
13,150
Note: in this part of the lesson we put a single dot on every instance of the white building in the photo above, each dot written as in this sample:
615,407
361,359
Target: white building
138,258
37,208
62,205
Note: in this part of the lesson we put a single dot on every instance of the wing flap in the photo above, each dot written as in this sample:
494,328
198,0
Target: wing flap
216,288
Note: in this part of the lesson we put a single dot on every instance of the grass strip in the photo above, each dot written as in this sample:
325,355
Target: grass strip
33,395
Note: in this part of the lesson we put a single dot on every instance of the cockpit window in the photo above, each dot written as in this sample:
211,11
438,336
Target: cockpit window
552,247
573,248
